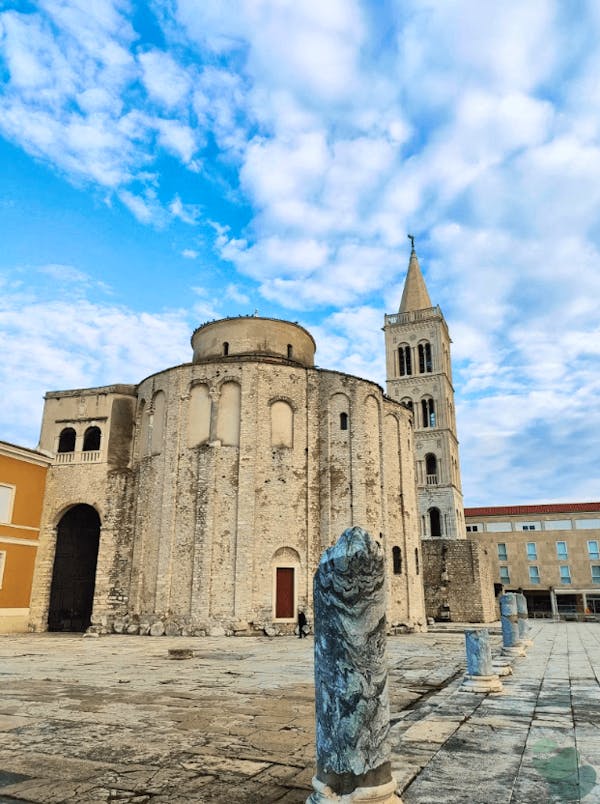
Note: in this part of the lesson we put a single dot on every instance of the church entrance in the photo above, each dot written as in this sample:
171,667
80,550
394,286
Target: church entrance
74,573
284,594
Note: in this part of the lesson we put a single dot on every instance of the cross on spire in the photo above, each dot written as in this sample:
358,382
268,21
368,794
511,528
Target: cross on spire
412,242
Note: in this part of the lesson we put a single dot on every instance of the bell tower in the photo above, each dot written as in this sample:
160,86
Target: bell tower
419,375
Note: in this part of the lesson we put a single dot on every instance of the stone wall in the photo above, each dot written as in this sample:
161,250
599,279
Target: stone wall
458,581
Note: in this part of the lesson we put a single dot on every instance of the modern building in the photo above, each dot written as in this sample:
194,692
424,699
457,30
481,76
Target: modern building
551,552
201,499
457,575
22,481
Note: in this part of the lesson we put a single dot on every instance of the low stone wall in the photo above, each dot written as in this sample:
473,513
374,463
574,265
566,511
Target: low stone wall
458,581
166,625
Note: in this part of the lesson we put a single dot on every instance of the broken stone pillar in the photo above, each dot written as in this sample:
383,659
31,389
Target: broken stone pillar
352,705
511,642
523,616
480,676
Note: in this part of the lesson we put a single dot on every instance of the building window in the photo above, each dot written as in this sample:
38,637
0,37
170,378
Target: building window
66,440
531,551
587,524
431,469
504,575
534,574
343,421
595,573
7,495
474,528
91,439
561,551
417,559
397,560
290,351
425,365
502,554
593,550
407,402
565,574
405,362
435,523
225,348
3,564
428,411
527,527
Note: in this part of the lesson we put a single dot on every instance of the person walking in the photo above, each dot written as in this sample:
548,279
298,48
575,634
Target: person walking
301,624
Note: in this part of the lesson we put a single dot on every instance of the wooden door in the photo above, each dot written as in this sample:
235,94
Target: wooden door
284,593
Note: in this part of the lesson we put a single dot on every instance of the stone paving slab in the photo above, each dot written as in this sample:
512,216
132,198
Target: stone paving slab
113,719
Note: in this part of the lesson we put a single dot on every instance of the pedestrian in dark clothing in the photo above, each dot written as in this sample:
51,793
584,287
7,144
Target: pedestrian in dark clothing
301,624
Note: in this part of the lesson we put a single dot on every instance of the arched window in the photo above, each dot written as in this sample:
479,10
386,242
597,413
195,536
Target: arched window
228,415
425,364
428,411
225,348
407,402
66,440
158,422
282,424
435,523
199,415
417,559
343,421
405,361
290,351
431,469
397,560
91,439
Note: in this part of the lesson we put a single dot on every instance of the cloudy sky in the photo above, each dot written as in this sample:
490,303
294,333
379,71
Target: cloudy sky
168,162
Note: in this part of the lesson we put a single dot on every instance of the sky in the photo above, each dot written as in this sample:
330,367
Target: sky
167,163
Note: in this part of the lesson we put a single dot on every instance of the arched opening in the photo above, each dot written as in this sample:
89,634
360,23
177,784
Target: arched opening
343,421
397,560
282,424
66,440
91,439
428,412
431,469
435,523
225,348
290,351
74,572
404,360
425,363
407,403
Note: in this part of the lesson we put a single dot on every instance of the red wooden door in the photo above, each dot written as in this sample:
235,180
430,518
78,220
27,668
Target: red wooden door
284,593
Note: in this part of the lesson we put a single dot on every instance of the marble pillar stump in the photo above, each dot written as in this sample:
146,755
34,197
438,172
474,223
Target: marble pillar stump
351,676
523,616
480,676
511,642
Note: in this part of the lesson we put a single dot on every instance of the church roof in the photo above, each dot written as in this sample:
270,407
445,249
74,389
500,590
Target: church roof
414,295
548,508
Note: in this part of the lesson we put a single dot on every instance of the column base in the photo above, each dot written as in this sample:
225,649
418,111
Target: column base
516,650
381,794
502,669
481,684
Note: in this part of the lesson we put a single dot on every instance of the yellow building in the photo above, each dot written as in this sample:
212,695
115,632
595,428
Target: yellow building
22,482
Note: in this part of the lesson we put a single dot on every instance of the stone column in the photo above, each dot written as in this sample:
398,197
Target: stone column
512,645
352,705
523,614
481,676
554,604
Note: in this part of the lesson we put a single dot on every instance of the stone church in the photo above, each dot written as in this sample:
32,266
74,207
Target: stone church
200,499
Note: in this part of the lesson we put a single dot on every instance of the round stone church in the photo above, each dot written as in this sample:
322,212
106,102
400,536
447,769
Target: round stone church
201,499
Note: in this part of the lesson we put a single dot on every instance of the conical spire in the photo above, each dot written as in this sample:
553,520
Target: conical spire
414,295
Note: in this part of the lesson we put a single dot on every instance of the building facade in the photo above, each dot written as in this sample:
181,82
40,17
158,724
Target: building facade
551,552
22,481
419,376
202,498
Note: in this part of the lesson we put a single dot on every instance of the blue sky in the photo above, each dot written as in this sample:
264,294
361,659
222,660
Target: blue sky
170,162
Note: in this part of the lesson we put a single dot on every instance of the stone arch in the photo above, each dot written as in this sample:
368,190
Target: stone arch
66,440
91,439
282,423
74,569
286,568
200,407
228,415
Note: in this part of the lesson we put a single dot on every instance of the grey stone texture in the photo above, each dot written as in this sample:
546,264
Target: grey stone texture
510,620
458,581
237,465
351,673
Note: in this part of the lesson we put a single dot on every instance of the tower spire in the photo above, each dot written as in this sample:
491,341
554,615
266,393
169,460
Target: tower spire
414,295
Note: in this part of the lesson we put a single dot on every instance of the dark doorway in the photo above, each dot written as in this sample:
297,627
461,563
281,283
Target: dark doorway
284,600
74,573
435,523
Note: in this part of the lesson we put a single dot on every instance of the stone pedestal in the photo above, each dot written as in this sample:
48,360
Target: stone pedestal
480,676
511,642
523,616
351,686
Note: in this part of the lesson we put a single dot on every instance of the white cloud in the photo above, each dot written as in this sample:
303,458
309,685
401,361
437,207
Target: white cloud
165,81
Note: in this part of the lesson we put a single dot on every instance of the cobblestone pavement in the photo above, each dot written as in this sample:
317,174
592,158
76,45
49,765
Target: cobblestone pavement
113,719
